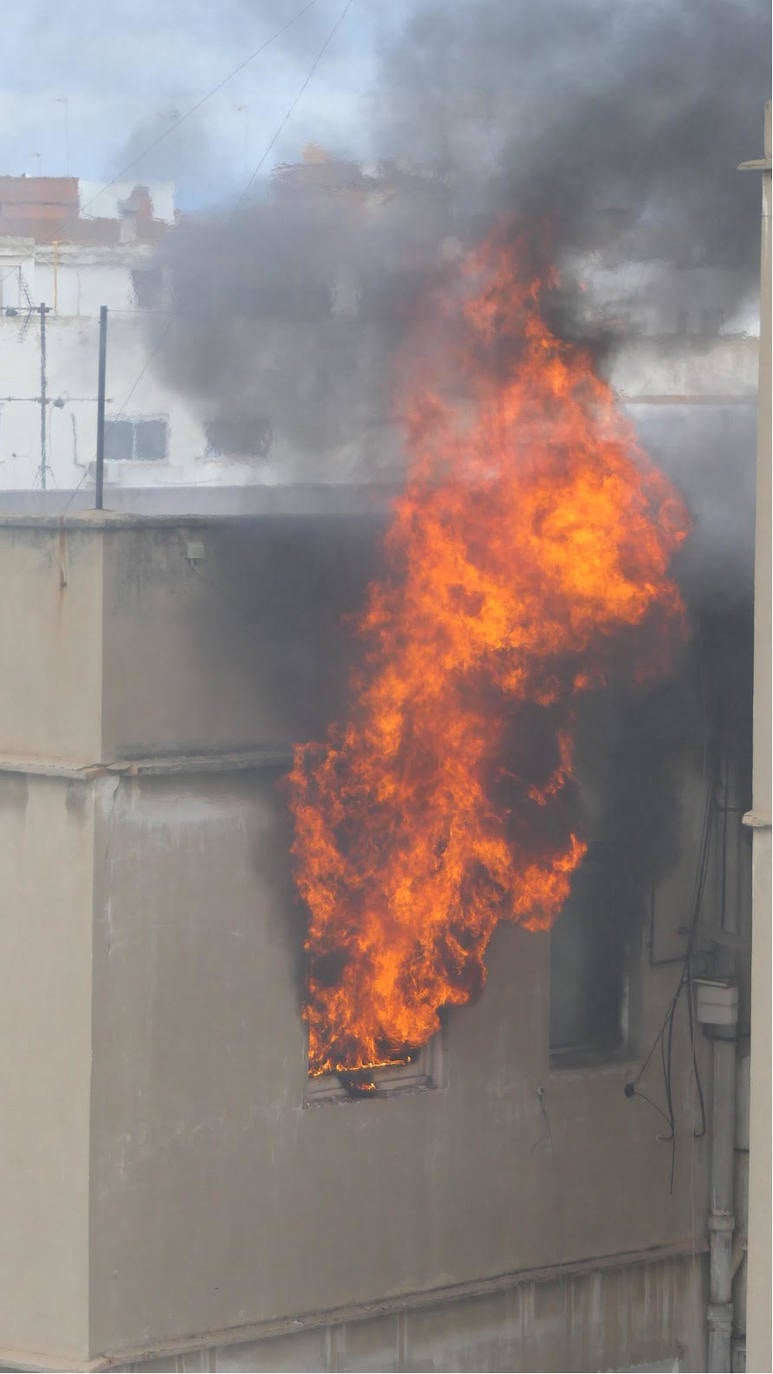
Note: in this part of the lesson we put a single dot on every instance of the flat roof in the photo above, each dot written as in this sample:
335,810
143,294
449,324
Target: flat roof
171,504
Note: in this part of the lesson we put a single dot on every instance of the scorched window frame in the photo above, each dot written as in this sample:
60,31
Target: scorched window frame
424,1073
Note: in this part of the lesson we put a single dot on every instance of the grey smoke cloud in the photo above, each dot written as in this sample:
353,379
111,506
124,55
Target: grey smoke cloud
293,307
607,128
610,129
621,125
187,155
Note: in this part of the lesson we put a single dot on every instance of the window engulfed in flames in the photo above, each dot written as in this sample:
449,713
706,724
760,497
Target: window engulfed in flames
531,541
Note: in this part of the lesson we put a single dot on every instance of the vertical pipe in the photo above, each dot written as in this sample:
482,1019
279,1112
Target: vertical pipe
101,406
738,1352
721,1216
43,398
720,1315
758,1308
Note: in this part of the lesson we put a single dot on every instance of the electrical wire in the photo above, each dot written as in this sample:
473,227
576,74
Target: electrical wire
175,124
269,146
152,354
74,493
331,35
664,1040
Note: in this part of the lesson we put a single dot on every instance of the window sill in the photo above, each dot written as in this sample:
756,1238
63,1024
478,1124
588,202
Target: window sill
423,1074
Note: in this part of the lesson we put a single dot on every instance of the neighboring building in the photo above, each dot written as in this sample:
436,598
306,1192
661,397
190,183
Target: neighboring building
74,246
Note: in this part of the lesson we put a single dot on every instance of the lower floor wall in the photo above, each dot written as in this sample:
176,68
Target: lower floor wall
620,1313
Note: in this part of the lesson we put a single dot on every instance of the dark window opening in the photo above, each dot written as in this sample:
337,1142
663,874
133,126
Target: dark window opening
119,440
150,440
147,286
238,438
141,441
588,963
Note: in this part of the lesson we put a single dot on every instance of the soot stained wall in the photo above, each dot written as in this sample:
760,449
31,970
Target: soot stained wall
218,1199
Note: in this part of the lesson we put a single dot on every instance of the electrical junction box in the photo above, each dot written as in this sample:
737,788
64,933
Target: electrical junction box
716,1001
195,551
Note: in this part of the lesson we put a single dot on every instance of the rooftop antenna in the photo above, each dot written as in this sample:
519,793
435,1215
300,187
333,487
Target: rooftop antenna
65,100
43,311
25,291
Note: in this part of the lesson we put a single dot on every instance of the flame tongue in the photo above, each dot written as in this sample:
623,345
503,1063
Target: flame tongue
531,532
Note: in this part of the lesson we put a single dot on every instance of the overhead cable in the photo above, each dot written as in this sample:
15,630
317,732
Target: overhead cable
179,119
331,35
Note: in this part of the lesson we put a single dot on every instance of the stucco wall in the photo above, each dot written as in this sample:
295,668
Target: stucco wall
46,854
230,628
219,1200
51,630
216,1200
630,1316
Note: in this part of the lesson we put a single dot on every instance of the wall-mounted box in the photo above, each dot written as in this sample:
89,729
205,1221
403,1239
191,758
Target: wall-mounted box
716,1001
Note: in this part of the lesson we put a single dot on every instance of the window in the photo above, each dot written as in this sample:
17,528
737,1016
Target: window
141,440
238,438
588,982
424,1071
147,286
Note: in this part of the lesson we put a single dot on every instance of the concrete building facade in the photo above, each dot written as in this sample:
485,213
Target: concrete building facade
172,1196
176,1194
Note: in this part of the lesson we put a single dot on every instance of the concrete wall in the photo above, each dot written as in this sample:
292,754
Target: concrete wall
217,1201
629,1316
46,867
231,627
51,627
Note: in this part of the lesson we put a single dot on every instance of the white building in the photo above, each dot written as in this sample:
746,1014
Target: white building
75,246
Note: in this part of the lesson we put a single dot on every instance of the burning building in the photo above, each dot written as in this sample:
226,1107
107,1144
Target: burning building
377,900
195,1195
522,1176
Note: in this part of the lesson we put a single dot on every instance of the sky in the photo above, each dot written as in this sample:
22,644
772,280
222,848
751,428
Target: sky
84,89
563,91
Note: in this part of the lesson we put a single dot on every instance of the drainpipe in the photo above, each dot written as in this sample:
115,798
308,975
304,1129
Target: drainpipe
716,1008
741,1203
758,1303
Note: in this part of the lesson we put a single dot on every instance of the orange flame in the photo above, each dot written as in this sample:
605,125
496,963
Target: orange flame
531,535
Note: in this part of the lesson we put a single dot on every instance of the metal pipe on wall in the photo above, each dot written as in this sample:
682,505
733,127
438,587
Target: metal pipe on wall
759,1279
42,310
721,1215
721,1018
100,477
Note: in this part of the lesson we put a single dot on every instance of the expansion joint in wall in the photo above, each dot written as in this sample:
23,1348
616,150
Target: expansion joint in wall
169,765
